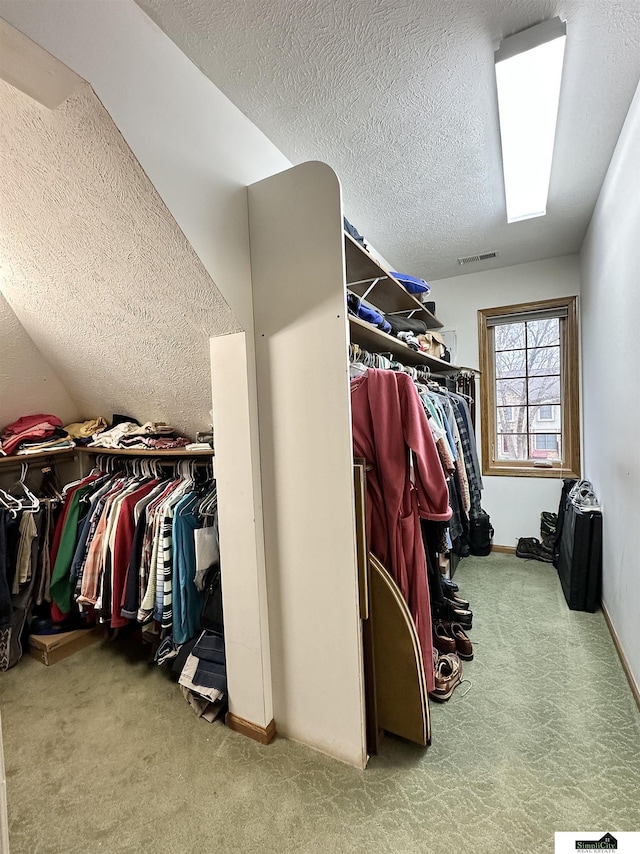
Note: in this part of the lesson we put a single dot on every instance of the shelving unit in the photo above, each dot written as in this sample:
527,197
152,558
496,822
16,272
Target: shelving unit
368,279
376,340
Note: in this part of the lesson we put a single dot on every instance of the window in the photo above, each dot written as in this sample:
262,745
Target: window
529,389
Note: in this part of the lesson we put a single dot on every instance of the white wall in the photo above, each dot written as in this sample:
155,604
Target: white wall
200,153
610,268
514,503
28,385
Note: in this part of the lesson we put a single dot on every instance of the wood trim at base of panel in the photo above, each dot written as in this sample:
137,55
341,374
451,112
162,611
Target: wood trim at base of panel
264,735
507,550
635,689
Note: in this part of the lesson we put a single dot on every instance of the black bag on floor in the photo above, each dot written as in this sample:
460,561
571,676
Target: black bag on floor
579,561
480,534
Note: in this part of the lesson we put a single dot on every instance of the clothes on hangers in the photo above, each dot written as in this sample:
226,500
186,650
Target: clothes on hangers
124,547
24,568
391,432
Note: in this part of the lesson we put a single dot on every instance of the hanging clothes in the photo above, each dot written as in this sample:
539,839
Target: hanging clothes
405,482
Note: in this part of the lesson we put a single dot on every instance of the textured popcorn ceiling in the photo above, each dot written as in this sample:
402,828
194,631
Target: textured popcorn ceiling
399,97
96,269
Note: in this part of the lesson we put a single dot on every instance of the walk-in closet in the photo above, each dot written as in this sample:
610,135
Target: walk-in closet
316,481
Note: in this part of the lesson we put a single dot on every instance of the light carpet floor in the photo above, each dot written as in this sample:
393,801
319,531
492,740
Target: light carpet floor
103,754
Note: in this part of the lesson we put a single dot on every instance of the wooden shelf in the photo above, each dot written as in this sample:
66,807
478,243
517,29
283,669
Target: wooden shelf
144,452
377,341
16,459
388,295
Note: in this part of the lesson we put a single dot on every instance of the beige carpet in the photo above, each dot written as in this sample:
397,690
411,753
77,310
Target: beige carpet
103,754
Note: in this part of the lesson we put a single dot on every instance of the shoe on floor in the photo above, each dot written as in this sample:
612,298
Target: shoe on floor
442,639
531,548
448,584
461,603
452,614
448,674
548,523
464,647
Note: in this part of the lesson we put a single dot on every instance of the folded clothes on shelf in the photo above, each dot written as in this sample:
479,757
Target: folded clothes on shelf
366,312
400,323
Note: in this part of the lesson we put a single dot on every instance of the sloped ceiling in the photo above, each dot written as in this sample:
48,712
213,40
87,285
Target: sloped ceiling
399,97
96,269
27,384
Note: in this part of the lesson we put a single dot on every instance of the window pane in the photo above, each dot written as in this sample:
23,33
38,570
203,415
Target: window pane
511,447
511,419
543,333
509,336
543,360
546,446
544,390
510,393
510,363
545,419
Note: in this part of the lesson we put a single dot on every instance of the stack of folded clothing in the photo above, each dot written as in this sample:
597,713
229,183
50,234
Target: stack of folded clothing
200,666
126,432
34,433
400,323
82,431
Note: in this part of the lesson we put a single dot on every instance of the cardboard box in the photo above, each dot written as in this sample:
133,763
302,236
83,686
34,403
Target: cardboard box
49,649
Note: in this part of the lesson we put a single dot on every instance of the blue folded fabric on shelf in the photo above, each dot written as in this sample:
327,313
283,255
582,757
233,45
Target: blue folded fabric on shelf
365,312
412,284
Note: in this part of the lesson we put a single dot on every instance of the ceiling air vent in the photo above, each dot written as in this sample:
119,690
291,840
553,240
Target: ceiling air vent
473,259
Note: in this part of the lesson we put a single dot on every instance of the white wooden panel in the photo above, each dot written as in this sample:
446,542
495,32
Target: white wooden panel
31,69
295,221
237,466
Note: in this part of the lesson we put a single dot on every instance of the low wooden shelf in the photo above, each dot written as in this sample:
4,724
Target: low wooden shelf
144,452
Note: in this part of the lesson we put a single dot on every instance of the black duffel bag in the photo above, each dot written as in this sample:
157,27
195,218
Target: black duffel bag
480,534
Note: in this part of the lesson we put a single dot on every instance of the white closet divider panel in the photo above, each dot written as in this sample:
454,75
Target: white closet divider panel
301,333
237,466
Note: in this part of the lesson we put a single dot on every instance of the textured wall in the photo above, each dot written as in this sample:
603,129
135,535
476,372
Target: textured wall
97,270
27,383
611,310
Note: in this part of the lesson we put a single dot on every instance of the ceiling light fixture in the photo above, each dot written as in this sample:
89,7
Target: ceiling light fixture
528,75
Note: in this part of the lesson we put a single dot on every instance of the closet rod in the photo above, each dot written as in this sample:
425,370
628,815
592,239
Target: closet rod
412,368
15,460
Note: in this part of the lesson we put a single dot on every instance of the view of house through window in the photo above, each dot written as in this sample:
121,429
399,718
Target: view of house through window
528,383
529,388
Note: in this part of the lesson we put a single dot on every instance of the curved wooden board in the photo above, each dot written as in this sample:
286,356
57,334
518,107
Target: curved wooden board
401,691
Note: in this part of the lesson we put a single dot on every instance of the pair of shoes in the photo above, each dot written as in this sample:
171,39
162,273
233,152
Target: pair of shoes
548,523
532,548
451,637
448,674
449,585
452,613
